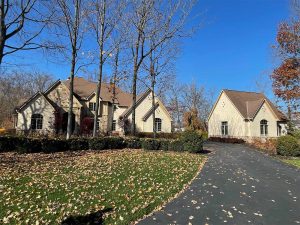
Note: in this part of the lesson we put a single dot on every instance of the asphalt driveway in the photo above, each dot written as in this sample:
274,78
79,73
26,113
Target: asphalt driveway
237,185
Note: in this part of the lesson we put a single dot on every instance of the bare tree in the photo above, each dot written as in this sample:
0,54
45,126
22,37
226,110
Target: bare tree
70,20
17,86
21,24
196,98
295,8
104,19
166,19
161,66
175,104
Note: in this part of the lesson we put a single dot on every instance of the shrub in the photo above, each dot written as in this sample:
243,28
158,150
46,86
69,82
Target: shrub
134,143
114,142
54,145
158,135
296,134
266,145
176,145
164,144
97,144
204,135
76,144
28,145
8,143
288,146
192,141
106,143
151,144
227,140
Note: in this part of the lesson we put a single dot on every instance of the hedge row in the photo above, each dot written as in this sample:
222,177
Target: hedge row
159,135
31,145
227,140
189,141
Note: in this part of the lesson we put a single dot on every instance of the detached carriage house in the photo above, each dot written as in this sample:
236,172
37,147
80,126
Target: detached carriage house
245,115
47,112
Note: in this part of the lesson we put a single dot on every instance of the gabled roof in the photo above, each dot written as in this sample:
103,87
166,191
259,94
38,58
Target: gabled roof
34,97
139,99
249,103
52,86
85,89
150,111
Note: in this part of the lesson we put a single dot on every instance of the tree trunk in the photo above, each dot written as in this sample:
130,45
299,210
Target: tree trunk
72,73
153,105
114,85
135,74
178,114
71,88
152,74
98,91
133,128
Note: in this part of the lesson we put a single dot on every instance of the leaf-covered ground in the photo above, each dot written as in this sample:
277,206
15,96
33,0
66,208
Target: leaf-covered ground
293,161
114,187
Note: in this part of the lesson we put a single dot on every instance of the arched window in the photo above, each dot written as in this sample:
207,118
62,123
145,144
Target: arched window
263,127
36,122
157,124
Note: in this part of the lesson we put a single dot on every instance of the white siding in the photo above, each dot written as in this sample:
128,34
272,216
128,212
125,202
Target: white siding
264,113
39,106
147,126
226,111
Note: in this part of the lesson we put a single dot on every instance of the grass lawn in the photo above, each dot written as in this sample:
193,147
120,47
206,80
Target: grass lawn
82,186
293,161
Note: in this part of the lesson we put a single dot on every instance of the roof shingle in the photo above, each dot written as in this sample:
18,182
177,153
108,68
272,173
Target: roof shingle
248,103
84,89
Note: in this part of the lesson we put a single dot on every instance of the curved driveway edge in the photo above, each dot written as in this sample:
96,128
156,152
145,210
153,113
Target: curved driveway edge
237,185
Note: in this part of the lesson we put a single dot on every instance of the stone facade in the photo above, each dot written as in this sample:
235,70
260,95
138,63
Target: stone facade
53,106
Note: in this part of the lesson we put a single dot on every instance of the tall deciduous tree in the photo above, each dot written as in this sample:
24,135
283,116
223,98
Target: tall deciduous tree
21,24
70,21
286,83
161,71
286,78
164,19
104,19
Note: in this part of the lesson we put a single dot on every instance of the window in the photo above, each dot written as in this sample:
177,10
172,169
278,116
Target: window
115,107
279,130
157,124
92,106
114,123
36,122
224,128
263,127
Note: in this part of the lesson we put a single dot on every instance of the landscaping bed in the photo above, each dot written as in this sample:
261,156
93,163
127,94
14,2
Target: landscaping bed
113,187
